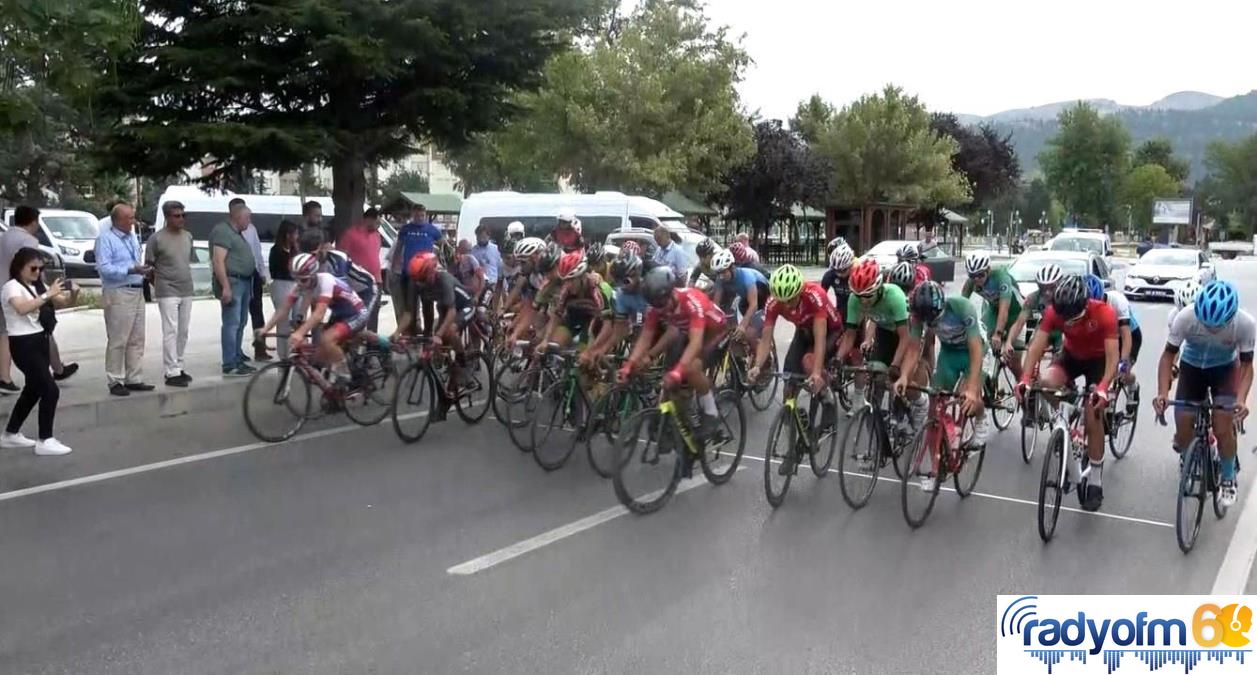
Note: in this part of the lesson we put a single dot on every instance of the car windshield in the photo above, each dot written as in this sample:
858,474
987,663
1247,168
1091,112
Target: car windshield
1024,269
1082,244
72,227
1169,256
886,248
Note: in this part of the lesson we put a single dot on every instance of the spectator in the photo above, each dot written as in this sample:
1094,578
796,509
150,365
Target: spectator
20,236
29,345
671,254
361,242
313,232
101,225
234,268
169,252
417,236
745,239
489,257
259,282
282,283
122,294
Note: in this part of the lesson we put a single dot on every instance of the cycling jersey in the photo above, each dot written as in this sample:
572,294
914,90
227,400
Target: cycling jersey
743,279
954,326
1204,348
813,301
1117,300
594,299
1084,338
922,273
830,281
466,269
889,312
342,302
627,304
692,311
999,285
446,292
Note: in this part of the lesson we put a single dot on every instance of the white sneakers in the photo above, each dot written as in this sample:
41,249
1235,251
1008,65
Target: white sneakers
49,446
8,440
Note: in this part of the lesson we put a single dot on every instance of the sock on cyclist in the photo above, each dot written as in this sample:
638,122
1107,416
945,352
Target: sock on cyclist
1096,476
981,430
1228,468
708,403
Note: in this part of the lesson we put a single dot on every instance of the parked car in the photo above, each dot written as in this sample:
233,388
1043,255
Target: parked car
1024,268
687,238
942,266
1091,241
601,213
71,235
1161,271
1230,250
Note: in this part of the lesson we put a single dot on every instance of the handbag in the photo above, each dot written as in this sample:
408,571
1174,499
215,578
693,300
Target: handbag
47,313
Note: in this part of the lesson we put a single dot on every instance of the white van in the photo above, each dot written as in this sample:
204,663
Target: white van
600,213
70,235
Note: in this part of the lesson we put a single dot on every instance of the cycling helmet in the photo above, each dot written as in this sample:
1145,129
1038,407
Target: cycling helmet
572,265
632,246
721,261
1048,275
549,258
625,266
1186,294
576,225
841,258
739,251
835,244
657,286
304,266
1217,303
508,247
594,253
705,248
1070,297
903,274
610,252
529,246
1095,287
909,253
785,283
515,230
927,301
566,216
866,278
1205,275
977,263
423,265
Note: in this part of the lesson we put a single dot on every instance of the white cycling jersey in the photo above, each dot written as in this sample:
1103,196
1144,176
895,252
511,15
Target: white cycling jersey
1205,348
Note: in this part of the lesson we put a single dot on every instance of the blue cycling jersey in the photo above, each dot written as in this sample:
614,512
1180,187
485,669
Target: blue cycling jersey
743,279
1205,348
626,304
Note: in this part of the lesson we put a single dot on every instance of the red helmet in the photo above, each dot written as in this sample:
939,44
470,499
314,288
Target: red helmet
633,246
423,265
922,275
740,253
866,277
572,265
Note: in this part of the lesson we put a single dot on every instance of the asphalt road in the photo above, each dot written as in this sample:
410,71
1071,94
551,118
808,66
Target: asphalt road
333,553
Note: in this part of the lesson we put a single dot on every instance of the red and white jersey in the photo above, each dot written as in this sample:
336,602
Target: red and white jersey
813,301
693,311
339,296
1084,338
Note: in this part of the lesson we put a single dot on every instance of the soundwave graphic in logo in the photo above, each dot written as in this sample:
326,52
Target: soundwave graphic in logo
1084,634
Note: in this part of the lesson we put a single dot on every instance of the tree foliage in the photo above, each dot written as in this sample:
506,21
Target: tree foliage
403,181
883,149
1159,151
811,117
275,84
1086,162
1229,190
783,172
984,156
1141,187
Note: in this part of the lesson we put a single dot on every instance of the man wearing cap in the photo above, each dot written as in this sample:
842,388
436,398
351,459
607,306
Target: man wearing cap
567,232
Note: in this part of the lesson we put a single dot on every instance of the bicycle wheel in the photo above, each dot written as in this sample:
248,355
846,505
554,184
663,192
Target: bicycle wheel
506,379
522,407
414,401
860,461
782,443
1051,484
649,466
720,457
965,476
763,393
555,423
371,401
845,387
476,390
824,439
615,406
1004,402
916,500
277,402
1029,428
1121,427
1191,497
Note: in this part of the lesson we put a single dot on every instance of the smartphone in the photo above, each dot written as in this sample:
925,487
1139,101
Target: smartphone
52,275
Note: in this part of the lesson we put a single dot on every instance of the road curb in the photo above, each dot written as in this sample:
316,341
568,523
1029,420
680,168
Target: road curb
209,394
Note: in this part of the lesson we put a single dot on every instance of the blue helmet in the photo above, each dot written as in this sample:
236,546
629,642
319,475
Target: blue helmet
1217,303
1095,287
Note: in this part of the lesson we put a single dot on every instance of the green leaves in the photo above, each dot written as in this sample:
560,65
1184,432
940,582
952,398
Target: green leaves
1086,162
1229,192
1141,187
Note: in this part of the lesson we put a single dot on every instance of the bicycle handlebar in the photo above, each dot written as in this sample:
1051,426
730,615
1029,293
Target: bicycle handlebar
1200,405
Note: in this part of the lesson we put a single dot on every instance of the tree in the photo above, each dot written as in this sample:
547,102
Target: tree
1229,190
984,156
1037,202
275,84
811,117
783,172
1085,163
505,160
1142,186
308,183
403,181
882,149
1159,151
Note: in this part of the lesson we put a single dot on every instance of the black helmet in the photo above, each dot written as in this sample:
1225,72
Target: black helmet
657,285
549,258
705,248
625,266
833,244
927,301
1070,297
593,253
909,253
508,247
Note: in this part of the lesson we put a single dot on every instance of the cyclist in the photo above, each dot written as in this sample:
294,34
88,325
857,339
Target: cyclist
466,269
581,297
1130,337
834,244
835,279
527,284
599,260
1090,351
1216,338
704,250
1184,297
515,231
323,293
817,327
685,312
627,305
567,232
456,308
1002,304
911,254
961,348
338,264
1035,303
748,287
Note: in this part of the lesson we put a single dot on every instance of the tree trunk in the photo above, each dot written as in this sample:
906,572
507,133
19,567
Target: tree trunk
349,189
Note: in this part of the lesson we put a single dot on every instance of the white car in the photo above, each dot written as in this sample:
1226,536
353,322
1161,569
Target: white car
1027,265
69,235
886,253
1162,271
1089,241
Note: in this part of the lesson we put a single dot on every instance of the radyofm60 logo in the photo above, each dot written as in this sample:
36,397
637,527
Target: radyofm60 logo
1133,633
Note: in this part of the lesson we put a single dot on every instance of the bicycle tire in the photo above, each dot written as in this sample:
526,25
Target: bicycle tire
610,411
1002,396
552,413
1029,432
762,394
660,429
845,387
413,388
964,485
849,458
375,391
1120,448
1051,484
824,446
728,406
505,377
1191,488
287,375
473,402
523,407
781,430
920,457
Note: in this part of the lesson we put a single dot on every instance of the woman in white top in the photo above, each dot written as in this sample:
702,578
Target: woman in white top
29,346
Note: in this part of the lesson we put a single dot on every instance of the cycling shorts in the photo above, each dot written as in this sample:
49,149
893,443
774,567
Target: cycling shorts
885,344
952,367
1195,383
802,345
1091,369
988,321
709,355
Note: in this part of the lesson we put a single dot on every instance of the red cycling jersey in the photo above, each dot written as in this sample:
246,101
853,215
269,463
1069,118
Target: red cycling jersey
813,300
1084,338
922,274
693,311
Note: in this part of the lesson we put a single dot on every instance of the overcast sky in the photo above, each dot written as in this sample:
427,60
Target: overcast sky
984,56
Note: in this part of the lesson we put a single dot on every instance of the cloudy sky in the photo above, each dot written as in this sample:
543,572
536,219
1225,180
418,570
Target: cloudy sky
984,56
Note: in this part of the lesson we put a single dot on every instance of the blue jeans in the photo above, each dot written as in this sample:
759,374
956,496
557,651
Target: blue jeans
235,318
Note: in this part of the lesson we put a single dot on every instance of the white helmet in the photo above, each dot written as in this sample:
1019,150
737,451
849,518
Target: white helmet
842,258
1048,274
304,266
1205,275
721,261
515,228
576,225
902,274
528,246
1186,294
977,262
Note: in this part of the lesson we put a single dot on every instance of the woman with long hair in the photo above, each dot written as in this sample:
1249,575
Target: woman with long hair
282,284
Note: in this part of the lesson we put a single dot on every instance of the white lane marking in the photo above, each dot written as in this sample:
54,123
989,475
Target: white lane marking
1014,500
518,549
145,468
1237,564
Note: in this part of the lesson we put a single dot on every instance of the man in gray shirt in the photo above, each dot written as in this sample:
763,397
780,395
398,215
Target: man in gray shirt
169,252
14,239
259,282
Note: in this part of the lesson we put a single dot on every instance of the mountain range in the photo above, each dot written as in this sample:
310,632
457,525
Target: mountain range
1189,119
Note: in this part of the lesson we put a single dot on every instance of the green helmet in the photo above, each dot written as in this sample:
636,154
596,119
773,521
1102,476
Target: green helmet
785,283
